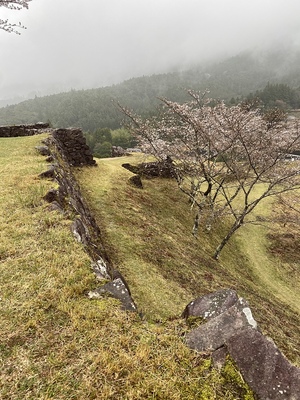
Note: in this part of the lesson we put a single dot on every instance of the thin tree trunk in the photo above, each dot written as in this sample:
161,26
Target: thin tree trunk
238,223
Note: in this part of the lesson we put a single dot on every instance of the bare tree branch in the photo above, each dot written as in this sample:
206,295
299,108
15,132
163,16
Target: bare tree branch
227,159
13,5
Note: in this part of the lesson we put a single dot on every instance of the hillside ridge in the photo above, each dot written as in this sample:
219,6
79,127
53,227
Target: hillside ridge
92,109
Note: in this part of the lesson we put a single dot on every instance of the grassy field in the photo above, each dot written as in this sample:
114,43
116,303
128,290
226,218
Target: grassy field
55,343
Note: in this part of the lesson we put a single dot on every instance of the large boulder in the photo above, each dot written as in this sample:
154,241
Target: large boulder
117,151
216,332
231,329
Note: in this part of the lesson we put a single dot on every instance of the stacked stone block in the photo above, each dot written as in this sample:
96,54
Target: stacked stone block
72,145
22,130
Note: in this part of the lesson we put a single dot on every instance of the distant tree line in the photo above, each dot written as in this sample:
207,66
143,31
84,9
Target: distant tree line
92,109
277,95
101,141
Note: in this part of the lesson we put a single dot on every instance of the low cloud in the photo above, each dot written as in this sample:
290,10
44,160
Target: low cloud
74,44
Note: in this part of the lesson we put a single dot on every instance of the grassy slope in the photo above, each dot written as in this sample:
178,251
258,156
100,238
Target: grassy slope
148,235
57,344
270,271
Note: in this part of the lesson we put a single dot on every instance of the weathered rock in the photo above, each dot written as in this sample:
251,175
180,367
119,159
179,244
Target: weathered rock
268,373
51,195
211,305
163,169
215,333
219,357
132,168
155,169
43,150
100,269
117,151
136,181
118,290
231,329
50,173
49,159
55,206
80,231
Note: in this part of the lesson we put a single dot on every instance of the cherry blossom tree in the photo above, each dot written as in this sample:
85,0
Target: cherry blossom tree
225,159
12,5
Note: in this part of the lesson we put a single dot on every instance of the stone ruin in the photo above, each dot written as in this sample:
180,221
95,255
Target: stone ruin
154,169
23,130
150,170
72,146
67,148
64,149
70,142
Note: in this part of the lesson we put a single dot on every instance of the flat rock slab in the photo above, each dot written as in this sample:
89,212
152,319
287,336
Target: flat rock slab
117,289
215,332
211,305
163,169
269,374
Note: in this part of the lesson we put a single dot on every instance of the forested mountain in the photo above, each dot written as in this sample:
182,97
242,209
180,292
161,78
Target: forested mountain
278,95
92,109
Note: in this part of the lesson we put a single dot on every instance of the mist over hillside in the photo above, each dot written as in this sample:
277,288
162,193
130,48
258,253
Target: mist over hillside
234,77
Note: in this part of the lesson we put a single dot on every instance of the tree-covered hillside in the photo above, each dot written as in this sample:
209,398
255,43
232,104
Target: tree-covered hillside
93,109
278,95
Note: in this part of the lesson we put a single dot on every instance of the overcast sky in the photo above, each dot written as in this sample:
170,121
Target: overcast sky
91,43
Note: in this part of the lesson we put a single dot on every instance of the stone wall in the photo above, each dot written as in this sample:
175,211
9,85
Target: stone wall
72,146
67,149
23,130
70,142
